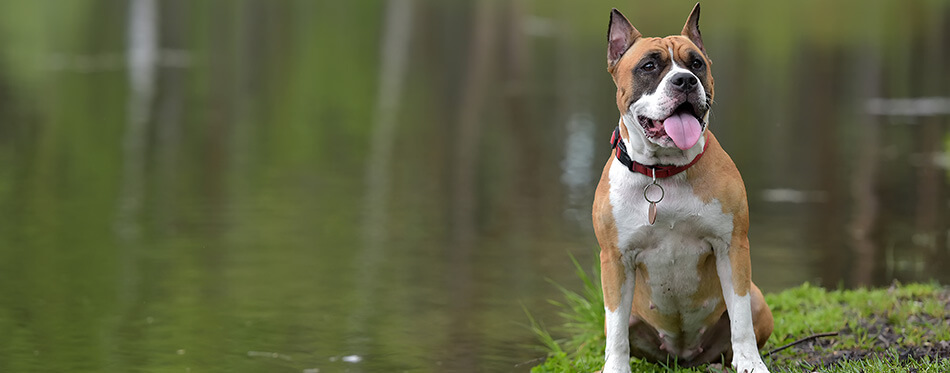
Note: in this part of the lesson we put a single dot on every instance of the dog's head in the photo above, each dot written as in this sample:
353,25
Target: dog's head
664,85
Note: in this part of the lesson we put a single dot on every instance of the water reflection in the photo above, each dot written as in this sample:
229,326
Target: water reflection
142,47
330,186
578,168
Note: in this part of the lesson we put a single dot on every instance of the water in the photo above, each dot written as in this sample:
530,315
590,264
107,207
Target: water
384,186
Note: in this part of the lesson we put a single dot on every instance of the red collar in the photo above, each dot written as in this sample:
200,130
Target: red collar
660,171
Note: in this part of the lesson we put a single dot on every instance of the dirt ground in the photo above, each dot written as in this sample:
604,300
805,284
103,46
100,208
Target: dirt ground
882,338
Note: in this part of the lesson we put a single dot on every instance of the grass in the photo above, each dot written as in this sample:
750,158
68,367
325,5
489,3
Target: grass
903,328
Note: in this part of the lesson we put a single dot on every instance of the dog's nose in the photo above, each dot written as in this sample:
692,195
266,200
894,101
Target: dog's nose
684,81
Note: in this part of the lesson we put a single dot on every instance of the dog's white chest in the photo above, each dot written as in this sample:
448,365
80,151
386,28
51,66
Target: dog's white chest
685,232
683,219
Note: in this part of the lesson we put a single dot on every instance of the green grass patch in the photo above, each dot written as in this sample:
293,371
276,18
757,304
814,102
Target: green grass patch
903,328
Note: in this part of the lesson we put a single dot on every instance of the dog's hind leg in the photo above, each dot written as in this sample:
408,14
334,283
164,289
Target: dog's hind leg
761,317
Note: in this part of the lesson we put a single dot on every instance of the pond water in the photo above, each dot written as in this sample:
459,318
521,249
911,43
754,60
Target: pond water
364,186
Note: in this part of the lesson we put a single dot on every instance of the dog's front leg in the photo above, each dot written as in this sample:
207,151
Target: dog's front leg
617,281
735,276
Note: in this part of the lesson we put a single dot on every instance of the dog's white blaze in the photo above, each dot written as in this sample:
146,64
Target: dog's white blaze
745,353
676,68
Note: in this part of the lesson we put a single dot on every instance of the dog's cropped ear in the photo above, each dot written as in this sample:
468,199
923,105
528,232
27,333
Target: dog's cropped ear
620,36
691,29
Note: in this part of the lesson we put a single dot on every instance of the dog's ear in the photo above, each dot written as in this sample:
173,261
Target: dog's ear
691,29
620,36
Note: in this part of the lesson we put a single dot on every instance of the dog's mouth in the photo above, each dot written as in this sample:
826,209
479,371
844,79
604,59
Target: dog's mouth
682,127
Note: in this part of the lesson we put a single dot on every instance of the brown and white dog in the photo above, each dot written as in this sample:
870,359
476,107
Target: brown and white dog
671,214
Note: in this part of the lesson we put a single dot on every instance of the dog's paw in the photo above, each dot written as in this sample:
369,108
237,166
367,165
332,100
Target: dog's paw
616,366
749,363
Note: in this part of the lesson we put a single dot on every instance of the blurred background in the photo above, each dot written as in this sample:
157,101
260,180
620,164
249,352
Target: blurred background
367,186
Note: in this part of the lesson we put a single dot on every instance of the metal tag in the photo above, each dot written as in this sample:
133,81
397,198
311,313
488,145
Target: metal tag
652,213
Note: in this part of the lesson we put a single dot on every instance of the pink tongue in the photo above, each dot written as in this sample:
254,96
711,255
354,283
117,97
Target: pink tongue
684,129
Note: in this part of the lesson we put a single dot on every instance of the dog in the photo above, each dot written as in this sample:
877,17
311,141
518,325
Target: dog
671,216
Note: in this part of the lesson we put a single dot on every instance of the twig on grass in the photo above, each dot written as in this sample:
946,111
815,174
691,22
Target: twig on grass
532,362
803,340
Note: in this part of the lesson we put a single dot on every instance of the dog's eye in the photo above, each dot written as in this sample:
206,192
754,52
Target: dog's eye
649,66
697,64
